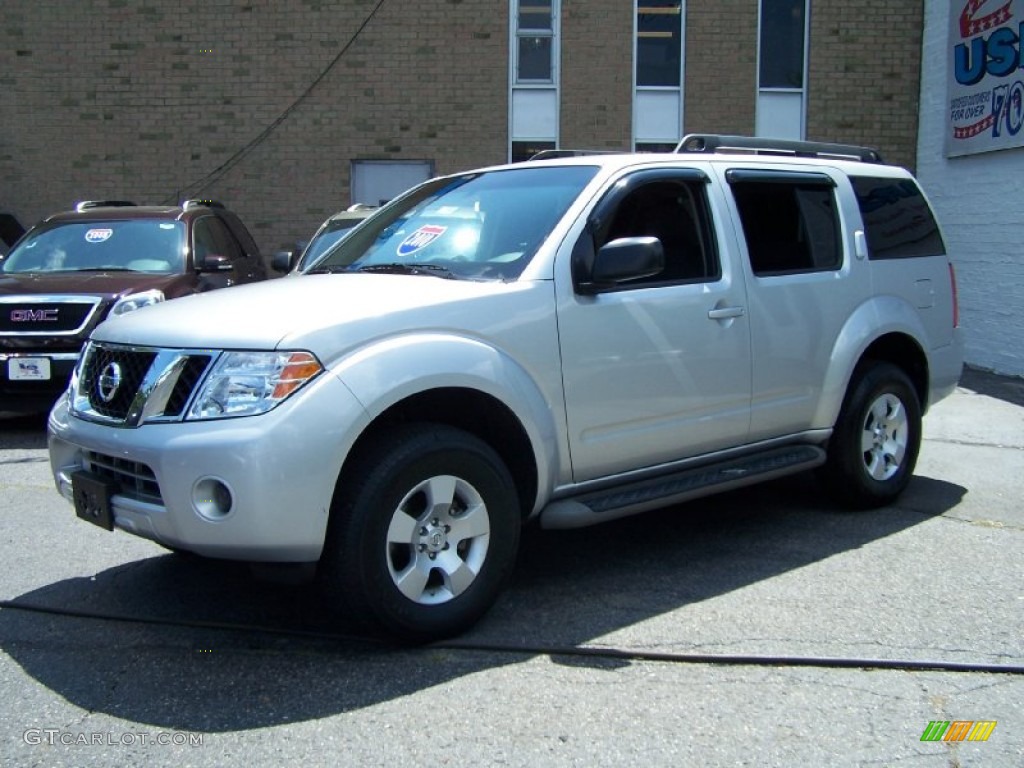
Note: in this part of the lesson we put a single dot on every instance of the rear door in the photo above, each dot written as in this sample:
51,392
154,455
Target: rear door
803,286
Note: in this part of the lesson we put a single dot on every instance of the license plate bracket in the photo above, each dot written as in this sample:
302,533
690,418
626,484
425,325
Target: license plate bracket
92,495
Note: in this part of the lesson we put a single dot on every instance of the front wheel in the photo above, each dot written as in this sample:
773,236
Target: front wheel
423,532
876,440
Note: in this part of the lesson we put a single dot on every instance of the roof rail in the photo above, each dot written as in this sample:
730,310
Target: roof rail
555,154
186,204
85,205
717,143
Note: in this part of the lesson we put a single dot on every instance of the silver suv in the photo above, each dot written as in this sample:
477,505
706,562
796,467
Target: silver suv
565,341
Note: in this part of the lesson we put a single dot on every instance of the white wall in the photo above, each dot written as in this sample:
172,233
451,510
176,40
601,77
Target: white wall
979,200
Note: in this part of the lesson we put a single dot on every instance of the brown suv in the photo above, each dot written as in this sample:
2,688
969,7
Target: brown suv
73,269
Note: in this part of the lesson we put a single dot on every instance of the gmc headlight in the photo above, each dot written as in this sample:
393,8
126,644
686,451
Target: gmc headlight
134,301
248,383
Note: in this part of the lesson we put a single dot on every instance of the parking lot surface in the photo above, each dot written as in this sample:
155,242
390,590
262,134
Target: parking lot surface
763,627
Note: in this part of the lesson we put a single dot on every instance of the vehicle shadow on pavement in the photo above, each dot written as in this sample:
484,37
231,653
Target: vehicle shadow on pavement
1007,388
177,665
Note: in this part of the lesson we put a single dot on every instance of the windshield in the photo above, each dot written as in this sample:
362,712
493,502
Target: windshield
484,226
137,245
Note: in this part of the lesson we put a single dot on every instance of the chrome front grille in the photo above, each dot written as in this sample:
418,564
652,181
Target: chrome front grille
107,396
128,386
134,479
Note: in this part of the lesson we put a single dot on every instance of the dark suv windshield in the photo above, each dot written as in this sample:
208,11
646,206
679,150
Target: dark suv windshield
483,226
138,245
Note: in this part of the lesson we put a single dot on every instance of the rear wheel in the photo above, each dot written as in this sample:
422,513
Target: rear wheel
423,532
874,446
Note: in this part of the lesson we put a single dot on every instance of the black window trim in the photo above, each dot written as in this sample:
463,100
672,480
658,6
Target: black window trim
755,175
629,183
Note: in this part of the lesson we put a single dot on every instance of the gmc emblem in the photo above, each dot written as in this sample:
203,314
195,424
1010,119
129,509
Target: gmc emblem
34,315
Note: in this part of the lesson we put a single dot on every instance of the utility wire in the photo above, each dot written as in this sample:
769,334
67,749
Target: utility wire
219,172
571,651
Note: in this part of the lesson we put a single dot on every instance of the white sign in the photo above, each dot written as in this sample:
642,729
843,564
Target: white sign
986,84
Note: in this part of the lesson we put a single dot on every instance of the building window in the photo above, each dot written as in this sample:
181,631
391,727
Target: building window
782,68
535,42
782,44
658,42
524,150
658,73
533,77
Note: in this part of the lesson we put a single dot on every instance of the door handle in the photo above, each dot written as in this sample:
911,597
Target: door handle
726,313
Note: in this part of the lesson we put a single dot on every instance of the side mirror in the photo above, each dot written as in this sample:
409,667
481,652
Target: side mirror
283,261
214,262
623,260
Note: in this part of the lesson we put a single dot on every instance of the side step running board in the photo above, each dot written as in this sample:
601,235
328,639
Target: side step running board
624,500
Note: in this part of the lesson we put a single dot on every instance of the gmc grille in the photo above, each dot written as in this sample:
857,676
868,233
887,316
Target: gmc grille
46,315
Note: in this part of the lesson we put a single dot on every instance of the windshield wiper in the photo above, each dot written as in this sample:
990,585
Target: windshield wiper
396,268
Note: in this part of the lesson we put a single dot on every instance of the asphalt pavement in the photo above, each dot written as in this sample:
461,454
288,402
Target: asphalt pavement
764,627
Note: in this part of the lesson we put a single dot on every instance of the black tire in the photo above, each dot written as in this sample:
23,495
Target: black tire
423,535
876,440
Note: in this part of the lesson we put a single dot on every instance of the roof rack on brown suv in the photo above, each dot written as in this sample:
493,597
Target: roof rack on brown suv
186,204
86,205
711,143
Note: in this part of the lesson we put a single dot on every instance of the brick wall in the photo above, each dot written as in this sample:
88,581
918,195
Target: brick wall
721,67
865,66
597,74
148,100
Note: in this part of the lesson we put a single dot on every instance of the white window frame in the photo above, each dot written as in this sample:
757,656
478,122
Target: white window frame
782,112
655,131
533,105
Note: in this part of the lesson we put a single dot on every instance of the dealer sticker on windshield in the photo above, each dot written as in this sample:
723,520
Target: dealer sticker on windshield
420,239
98,235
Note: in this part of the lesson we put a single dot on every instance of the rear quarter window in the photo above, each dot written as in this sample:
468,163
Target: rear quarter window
898,221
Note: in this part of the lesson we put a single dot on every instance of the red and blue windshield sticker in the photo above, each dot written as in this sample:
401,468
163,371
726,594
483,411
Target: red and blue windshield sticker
420,239
98,235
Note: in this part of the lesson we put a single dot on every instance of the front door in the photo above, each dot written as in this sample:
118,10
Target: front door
659,369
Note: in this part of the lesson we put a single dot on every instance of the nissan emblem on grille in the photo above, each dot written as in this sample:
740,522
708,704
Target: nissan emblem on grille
108,382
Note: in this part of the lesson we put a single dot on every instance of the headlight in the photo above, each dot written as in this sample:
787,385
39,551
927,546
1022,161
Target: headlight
135,301
247,383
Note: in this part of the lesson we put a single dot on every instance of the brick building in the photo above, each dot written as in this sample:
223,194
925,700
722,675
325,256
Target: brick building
292,109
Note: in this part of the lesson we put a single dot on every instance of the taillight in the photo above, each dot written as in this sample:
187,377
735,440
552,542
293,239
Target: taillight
956,302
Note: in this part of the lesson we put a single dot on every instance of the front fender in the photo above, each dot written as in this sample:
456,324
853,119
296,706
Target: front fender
877,317
389,371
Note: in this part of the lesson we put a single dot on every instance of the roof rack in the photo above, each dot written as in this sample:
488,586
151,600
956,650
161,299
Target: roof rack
196,203
715,143
85,205
556,154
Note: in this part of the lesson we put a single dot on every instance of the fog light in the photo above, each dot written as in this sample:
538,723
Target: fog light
212,499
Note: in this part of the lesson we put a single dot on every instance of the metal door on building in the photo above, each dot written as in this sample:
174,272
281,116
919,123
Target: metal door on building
375,182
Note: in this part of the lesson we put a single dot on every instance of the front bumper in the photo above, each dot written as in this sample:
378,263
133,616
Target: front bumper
280,469
34,395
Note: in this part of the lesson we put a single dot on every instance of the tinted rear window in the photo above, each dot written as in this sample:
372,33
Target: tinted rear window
897,219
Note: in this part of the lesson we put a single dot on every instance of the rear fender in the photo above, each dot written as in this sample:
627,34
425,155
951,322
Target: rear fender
872,320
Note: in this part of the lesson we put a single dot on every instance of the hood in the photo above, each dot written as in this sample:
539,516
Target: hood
108,285
321,313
